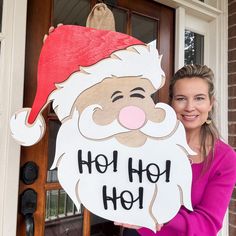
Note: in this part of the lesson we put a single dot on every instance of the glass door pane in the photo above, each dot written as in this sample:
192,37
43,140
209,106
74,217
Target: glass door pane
144,28
121,18
194,48
73,12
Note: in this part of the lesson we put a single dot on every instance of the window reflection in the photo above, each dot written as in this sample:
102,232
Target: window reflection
120,17
71,12
144,28
53,126
194,48
59,205
62,217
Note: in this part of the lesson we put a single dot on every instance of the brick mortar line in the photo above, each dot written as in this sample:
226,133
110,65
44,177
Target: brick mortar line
231,37
231,26
232,73
233,226
231,85
232,61
232,14
232,198
231,49
231,98
232,212
231,3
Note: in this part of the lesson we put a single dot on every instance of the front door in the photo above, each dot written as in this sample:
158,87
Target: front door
44,208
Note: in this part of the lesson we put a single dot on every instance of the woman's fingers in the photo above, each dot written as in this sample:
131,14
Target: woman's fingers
158,227
131,226
50,30
44,38
127,225
118,223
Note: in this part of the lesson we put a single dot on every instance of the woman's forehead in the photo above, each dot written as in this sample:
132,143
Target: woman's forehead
191,85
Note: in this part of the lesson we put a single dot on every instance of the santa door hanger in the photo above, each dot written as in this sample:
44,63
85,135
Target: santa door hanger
117,152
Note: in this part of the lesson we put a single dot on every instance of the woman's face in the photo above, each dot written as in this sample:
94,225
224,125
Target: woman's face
191,102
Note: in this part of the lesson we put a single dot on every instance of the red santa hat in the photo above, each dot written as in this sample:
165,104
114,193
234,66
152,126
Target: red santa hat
74,58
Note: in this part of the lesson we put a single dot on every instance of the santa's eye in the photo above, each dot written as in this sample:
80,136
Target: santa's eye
116,96
136,95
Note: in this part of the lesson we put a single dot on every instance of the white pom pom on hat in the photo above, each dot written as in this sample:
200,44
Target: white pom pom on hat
24,133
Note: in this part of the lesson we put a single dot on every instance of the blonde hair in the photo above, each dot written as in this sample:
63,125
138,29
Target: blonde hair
208,131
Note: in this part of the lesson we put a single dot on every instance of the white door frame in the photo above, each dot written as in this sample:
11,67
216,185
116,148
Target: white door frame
12,59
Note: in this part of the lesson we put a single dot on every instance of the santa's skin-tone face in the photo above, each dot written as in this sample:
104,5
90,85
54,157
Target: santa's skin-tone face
191,102
121,98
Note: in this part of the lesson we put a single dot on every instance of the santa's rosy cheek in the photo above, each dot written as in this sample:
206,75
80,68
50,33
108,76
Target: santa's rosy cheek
132,117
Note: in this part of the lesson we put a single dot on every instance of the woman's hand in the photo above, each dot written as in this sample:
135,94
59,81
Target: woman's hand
158,226
127,225
50,30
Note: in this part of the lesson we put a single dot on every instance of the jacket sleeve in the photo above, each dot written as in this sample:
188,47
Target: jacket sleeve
207,217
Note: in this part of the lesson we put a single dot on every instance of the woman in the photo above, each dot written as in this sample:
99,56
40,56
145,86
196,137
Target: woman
191,95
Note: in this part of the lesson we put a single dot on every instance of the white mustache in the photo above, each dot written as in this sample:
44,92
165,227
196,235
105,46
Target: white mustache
91,130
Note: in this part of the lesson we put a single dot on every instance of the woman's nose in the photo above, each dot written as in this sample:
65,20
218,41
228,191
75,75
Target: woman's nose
189,106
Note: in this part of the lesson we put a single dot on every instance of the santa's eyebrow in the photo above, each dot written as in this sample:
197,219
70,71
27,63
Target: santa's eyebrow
115,93
138,88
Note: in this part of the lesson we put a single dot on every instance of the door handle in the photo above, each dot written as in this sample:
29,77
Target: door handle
29,224
28,204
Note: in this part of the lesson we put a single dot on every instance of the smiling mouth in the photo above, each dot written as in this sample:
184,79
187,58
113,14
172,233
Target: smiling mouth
189,117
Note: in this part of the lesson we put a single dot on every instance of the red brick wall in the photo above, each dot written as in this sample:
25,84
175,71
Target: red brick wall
232,101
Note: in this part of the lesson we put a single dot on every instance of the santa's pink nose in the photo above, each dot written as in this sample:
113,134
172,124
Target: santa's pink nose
132,117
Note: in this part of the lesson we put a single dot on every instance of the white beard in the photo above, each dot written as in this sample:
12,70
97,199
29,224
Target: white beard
160,200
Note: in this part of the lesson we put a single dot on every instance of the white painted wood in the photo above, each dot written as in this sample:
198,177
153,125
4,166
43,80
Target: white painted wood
199,26
179,37
220,37
11,96
194,7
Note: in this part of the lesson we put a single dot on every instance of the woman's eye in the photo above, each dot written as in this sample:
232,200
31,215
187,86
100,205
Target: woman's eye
117,98
200,98
137,95
180,99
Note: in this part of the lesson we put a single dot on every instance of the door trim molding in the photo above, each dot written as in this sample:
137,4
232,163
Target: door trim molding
11,85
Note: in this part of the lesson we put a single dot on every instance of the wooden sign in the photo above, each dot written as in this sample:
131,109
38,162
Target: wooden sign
117,152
